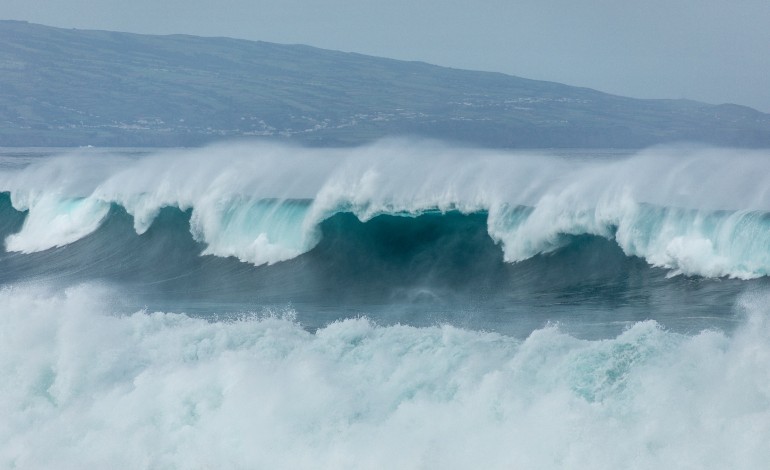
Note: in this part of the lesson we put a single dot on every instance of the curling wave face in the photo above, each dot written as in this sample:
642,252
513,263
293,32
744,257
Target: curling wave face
701,212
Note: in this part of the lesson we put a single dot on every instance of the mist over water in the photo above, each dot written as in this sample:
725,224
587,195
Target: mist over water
405,304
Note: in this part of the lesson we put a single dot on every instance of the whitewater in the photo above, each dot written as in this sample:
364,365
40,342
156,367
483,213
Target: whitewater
407,304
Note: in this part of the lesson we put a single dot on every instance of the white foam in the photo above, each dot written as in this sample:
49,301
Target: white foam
54,221
83,388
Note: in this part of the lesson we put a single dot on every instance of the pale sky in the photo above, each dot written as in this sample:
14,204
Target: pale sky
715,51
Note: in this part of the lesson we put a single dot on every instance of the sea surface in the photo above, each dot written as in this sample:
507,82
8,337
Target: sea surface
406,304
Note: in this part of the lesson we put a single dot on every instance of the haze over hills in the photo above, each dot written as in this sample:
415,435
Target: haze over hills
62,87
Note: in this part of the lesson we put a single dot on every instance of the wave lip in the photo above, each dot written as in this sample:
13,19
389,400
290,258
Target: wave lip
264,231
685,241
706,243
54,222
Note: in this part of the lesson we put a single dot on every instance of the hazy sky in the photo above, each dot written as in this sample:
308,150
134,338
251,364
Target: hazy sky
709,50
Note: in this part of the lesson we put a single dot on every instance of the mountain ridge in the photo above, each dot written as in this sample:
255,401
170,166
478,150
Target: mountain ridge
68,87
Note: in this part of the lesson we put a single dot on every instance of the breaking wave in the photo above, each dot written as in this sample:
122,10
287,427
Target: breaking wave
698,212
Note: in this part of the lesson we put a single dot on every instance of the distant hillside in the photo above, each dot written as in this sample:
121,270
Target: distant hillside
62,87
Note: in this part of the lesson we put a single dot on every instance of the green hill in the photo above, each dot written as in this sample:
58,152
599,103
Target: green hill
66,87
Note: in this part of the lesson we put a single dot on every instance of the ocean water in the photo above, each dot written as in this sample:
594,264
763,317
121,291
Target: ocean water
402,305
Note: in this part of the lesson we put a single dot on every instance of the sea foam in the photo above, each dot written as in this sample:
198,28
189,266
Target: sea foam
85,388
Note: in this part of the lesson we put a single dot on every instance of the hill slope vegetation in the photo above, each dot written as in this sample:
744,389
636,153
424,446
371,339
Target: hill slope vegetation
66,87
